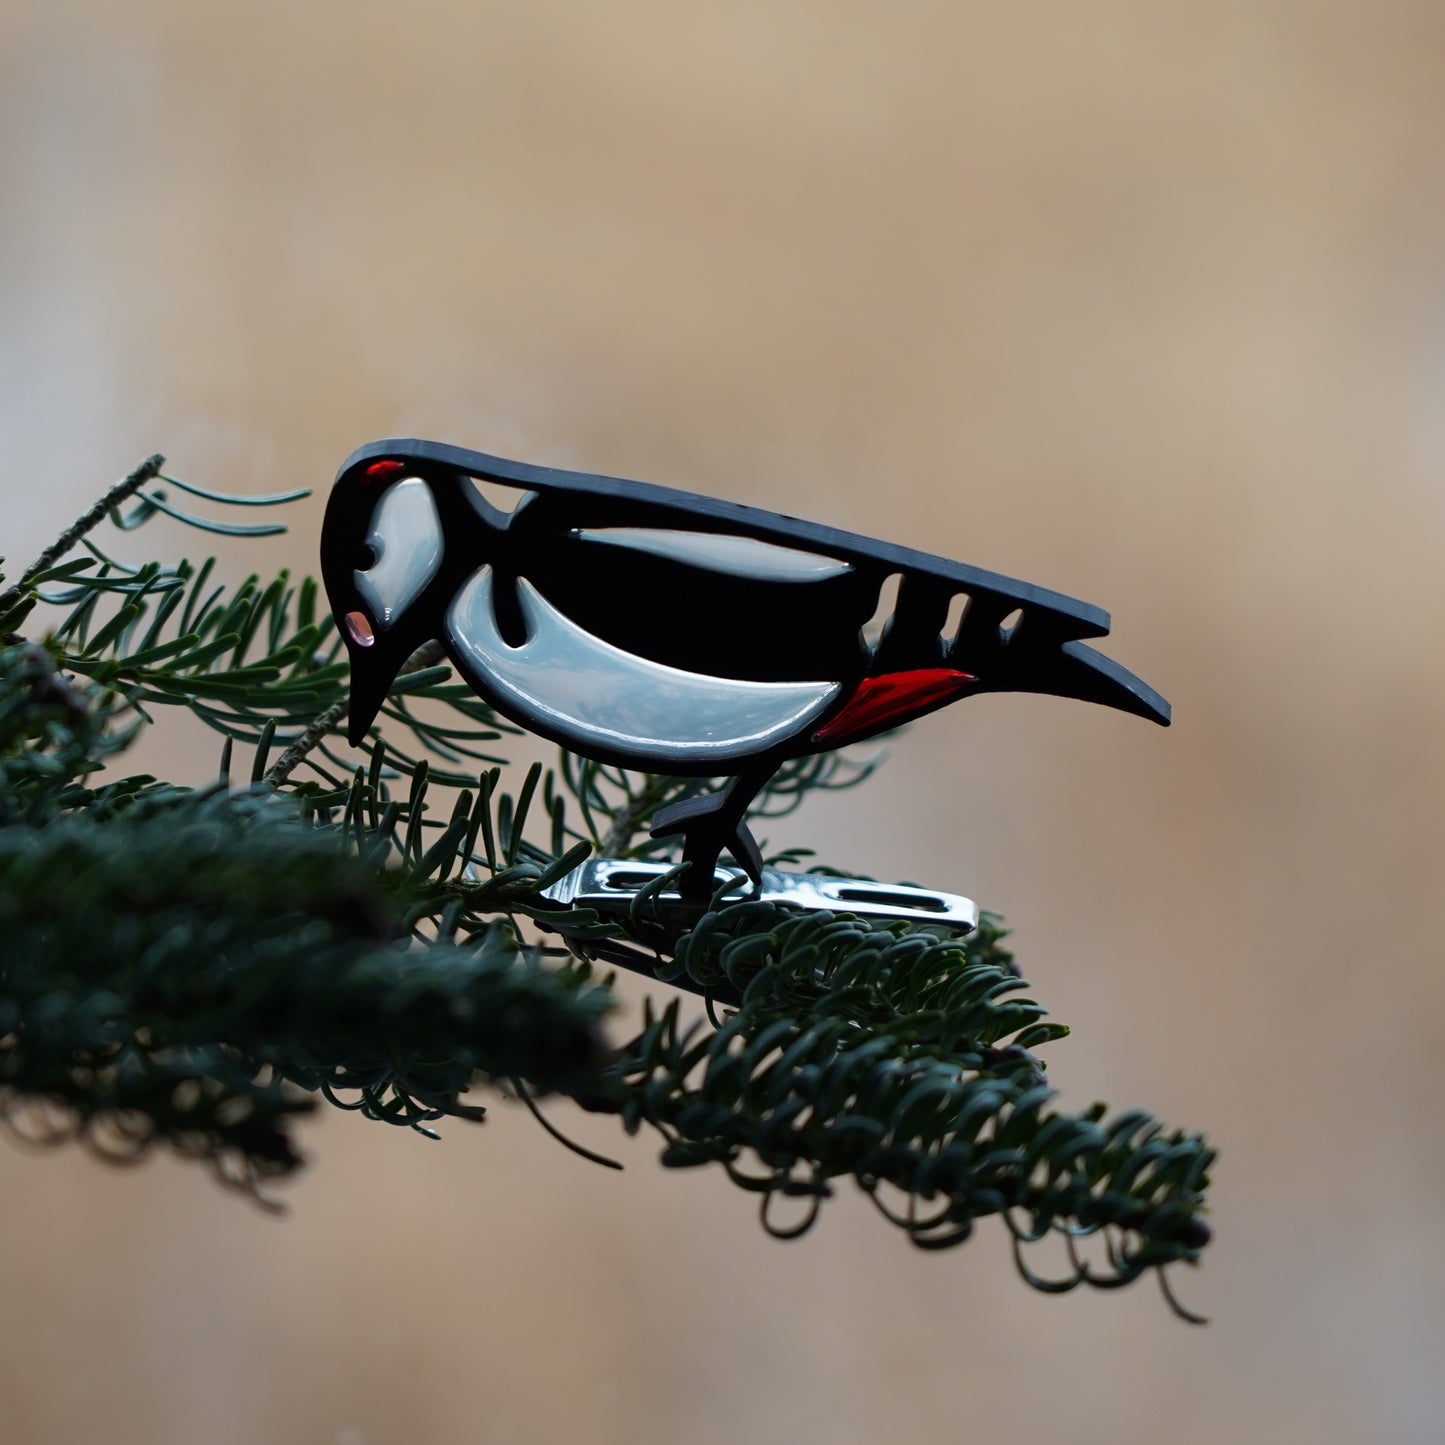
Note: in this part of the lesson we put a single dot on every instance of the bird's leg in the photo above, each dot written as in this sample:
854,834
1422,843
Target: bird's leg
709,824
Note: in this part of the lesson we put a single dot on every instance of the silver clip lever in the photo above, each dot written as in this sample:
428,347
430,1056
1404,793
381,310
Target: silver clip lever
611,886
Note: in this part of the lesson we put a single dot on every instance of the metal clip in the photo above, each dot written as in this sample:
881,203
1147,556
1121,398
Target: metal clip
611,886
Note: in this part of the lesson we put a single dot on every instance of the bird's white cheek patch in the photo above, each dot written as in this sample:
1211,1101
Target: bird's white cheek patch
406,540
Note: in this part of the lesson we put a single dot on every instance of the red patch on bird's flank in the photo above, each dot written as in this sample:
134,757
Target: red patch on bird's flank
880,702
387,468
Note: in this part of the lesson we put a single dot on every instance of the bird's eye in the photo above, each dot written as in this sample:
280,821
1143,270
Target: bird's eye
405,548
367,558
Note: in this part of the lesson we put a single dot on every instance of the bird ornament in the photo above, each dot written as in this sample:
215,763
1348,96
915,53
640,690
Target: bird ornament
658,630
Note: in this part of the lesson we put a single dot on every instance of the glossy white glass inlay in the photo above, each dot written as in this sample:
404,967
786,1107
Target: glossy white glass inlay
737,556
406,538
594,694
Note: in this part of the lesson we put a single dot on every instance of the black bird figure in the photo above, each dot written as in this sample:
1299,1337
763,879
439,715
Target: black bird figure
678,634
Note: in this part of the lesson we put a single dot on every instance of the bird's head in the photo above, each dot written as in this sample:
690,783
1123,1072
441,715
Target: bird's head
398,539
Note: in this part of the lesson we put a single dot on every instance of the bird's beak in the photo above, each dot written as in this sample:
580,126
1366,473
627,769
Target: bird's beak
369,687
376,659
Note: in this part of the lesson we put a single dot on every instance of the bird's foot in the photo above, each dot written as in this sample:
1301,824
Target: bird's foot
708,831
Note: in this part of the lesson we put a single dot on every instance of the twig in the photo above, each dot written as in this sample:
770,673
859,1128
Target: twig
87,521
426,655
322,724
629,818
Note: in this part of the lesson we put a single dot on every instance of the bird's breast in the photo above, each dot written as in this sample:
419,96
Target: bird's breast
598,698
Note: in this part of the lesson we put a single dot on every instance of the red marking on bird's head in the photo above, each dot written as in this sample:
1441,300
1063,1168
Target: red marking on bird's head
378,470
881,702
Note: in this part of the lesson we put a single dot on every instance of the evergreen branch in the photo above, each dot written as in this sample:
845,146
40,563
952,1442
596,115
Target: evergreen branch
417,669
891,1055
175,639
320,726
359,934
83,524
635,812
220,938
874,1053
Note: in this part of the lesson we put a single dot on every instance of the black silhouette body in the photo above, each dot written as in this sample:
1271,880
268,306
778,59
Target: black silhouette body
674,633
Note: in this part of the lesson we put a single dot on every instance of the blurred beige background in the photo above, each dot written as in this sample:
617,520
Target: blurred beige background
1144,302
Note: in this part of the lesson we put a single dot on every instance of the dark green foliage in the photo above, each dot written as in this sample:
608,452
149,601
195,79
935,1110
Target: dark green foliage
170,957
52,736
189,965
899,1059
